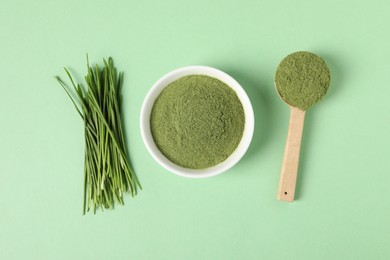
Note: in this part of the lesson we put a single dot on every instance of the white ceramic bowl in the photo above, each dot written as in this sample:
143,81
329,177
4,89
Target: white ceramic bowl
148,138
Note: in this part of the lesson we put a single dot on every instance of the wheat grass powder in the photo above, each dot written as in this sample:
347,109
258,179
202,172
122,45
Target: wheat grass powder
197,121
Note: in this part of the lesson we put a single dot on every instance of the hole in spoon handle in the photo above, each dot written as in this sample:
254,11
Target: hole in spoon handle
289,172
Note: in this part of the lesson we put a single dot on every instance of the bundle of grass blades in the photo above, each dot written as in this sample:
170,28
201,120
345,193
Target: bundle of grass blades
107,170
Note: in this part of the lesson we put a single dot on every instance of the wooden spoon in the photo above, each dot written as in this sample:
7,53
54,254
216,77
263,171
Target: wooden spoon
301,80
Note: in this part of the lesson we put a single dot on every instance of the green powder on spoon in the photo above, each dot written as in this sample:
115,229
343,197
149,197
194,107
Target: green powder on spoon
197,121
302,79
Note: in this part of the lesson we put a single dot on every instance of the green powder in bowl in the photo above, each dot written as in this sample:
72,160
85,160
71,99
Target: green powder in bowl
197,121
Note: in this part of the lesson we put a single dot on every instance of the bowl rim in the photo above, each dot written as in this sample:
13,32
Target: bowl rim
155,91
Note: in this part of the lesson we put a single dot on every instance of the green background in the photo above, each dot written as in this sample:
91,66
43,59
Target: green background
342,209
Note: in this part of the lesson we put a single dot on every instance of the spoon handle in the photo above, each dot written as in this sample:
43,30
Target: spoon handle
288,175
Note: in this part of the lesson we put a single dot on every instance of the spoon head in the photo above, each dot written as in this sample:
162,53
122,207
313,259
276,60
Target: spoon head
302,79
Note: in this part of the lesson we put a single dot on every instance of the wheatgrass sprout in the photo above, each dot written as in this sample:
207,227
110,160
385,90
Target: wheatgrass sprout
108,173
